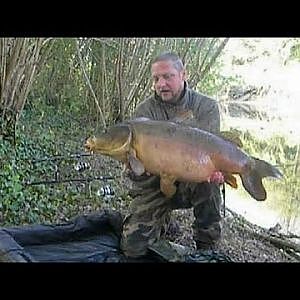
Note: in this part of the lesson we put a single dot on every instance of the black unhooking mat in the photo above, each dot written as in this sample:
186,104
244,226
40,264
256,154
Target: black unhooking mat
86,238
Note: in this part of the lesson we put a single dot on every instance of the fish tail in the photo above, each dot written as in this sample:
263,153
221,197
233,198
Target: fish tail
252,179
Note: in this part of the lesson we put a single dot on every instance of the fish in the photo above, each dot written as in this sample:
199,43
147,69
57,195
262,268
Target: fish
181,153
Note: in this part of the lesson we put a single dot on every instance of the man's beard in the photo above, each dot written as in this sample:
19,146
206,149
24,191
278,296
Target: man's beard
175,98
172,99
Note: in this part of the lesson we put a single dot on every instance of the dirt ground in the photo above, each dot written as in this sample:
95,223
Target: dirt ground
240,240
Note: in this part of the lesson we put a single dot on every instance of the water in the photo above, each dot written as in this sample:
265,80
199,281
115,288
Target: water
258,212
270,68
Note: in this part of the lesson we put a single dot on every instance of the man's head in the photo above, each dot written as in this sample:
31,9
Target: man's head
168,75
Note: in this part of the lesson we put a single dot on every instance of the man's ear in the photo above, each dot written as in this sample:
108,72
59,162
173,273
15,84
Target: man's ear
152,87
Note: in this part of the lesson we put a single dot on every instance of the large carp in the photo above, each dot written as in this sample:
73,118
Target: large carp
181,153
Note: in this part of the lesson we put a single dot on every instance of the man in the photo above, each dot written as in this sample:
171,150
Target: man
150,210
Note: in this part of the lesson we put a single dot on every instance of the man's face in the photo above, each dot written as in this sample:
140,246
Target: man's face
168,82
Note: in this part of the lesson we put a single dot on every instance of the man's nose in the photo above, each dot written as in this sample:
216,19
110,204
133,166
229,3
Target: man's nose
161,82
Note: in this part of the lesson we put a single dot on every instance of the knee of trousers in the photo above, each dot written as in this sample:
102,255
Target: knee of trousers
136,237
132,247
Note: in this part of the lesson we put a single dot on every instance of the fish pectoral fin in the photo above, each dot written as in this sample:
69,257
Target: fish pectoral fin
230,180
232,136
167,185
135,164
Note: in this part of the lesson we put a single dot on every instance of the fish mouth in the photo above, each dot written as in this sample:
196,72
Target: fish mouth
88,148
104,150
93,147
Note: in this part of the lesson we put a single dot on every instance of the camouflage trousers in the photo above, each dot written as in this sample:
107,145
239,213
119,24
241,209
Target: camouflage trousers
150,211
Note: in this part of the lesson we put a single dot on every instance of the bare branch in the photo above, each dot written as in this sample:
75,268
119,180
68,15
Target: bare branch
120,85
213,59
89,83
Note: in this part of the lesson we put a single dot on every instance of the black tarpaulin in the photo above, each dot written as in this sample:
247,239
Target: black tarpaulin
87,238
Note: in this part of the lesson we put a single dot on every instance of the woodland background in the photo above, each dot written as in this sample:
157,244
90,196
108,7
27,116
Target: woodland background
55,92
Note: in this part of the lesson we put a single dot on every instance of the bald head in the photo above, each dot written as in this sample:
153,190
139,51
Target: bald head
172,57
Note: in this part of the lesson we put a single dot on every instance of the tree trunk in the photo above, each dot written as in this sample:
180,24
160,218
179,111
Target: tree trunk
19,58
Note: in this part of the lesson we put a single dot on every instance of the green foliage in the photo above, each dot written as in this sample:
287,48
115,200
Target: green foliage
295,51
60,82
14,170
60,113
21,204
284,193
44,132
27,204
214,83
274,149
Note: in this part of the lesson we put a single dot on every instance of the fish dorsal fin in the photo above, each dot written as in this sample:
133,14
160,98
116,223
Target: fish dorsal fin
183,116
135,164
228,135
231,136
